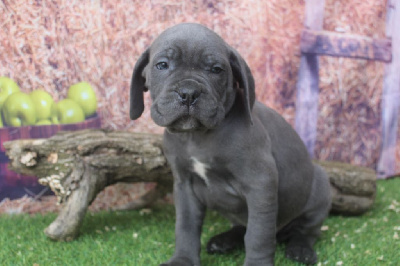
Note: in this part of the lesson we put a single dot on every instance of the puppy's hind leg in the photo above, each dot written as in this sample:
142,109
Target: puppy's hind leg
302,233
227,241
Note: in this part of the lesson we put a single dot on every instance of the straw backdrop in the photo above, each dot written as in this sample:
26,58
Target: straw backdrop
53,44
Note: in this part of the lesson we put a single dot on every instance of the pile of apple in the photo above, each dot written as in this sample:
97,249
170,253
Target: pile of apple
38,107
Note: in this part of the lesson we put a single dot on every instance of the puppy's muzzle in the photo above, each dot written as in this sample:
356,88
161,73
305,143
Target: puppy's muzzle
187,105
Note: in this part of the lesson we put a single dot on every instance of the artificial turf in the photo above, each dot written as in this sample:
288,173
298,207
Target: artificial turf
146,237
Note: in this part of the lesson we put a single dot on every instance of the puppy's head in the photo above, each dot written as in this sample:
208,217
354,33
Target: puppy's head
193,77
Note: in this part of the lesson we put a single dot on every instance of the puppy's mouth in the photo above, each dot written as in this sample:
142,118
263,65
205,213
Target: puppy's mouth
186,123
187,120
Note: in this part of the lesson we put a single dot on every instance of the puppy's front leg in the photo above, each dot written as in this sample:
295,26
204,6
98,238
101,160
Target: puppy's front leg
260,238
189,220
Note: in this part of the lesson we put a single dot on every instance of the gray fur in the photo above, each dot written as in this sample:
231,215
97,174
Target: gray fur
227,151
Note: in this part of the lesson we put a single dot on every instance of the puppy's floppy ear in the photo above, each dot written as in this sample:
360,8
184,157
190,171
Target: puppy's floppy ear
243,76
138,86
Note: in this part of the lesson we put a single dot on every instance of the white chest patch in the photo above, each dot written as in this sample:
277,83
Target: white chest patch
200,169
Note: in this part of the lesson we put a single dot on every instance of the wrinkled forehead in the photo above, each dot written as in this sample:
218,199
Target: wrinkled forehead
189,40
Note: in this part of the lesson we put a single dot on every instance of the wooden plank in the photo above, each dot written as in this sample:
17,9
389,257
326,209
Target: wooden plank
391,95
307,101
345,45
307,84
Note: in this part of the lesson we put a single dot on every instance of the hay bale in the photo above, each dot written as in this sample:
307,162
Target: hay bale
55,44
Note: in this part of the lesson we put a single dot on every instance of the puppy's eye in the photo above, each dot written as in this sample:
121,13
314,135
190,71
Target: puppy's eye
216,70
162,66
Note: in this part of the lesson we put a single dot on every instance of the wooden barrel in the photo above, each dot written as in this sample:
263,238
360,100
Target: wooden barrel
13,185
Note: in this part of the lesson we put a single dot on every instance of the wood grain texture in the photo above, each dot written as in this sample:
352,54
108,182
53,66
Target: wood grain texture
78,165
308,81
10,178
391,95
345,45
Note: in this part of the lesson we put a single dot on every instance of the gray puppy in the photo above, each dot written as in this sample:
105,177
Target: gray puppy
228,152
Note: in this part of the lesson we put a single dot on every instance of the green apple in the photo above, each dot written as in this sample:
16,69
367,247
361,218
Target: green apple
43,102
84,95
43,122
7,87
66,111
19,110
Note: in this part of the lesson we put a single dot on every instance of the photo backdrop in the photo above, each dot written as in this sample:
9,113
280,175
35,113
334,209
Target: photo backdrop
53,44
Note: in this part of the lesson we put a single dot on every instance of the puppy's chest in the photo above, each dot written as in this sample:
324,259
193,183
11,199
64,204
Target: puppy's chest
215,185
208,171
201,169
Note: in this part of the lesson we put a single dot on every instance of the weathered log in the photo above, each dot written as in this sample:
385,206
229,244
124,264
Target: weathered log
353,187
78,165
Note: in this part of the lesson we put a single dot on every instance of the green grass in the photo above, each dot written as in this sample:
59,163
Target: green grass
135,238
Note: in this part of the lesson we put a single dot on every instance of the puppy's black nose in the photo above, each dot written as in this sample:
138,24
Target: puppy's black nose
188,96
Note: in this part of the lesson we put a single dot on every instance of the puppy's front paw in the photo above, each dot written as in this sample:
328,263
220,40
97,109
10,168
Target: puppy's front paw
179,261
302,254
227,241
221,245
